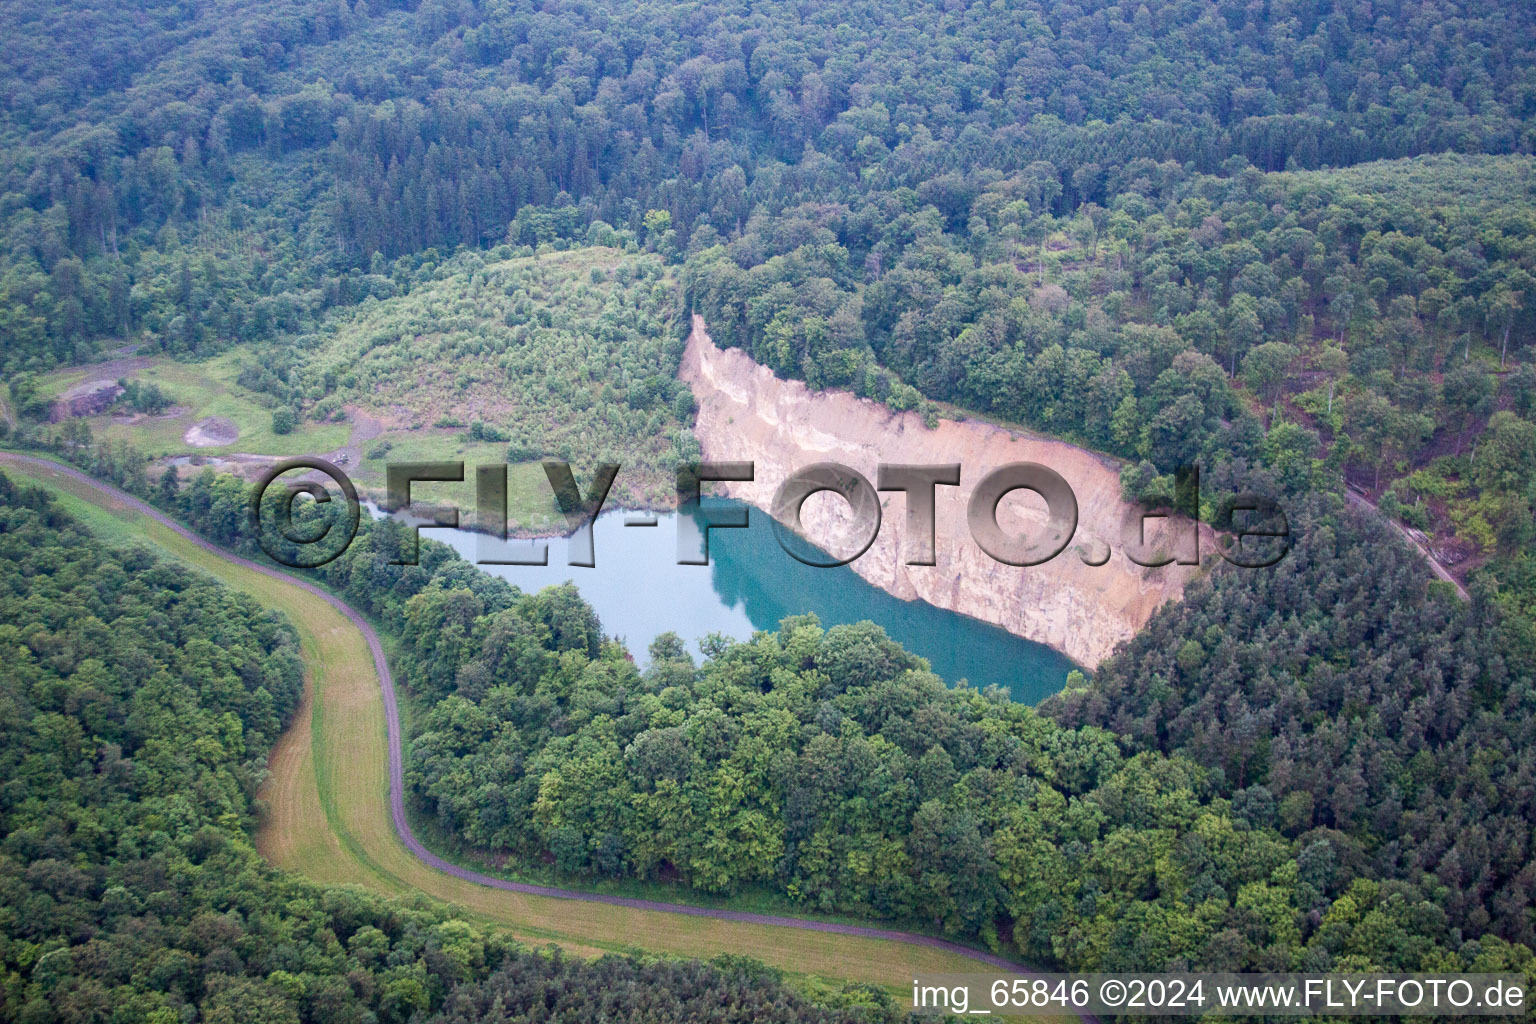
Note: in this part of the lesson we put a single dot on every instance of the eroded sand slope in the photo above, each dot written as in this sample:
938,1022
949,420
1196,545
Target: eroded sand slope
746,413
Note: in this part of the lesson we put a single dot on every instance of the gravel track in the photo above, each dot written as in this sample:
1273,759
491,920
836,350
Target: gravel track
397,771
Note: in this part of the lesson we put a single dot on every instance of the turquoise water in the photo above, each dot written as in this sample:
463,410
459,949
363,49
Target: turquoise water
639,591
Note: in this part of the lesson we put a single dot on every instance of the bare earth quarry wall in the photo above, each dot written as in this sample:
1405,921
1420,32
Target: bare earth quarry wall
746,413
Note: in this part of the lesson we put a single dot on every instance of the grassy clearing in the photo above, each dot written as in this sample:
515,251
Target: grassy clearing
568,355
328,814
530,502
202,389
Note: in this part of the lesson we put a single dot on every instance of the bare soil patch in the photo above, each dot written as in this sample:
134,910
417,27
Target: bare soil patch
211,433
85,399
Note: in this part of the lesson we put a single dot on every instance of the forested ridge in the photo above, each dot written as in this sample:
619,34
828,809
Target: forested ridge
138,701
1291,243
830,766
1359,802
435,125
1297,234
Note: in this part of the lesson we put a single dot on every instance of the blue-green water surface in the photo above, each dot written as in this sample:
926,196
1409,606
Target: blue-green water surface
639,591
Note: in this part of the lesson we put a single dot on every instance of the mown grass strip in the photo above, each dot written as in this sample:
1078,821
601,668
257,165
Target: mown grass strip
328,816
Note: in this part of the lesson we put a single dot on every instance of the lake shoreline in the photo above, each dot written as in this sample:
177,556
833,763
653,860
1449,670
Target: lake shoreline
1083,603
639,590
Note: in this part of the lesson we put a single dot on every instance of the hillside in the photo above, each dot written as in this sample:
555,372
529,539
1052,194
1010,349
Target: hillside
132,889
570,355
1288,244
1083,610
488,358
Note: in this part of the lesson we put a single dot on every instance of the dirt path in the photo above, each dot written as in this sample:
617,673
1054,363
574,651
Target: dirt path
1360,501
407,837
123,364
364,429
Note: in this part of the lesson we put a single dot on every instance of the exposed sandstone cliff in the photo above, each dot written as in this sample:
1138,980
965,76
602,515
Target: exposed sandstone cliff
747,413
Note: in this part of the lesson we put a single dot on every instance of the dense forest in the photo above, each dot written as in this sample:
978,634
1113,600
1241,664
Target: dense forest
1291,243
1298,233
1358,803
138,702
1258,832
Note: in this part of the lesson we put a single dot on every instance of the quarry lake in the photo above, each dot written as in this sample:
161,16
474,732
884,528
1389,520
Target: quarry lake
639,591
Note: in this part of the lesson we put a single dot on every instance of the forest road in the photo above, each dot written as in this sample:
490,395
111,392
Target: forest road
397,774
1360,501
